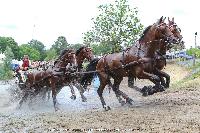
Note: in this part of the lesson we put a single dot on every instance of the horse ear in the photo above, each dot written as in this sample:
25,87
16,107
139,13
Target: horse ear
163,20
169,20
173,19
160,20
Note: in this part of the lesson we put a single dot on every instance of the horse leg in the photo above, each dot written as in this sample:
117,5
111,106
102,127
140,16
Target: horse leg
103,82
24,98
115,88
73,97
163,74
49,95
53,89
153,78
33,95
118,92
43,92
110,86
81,90
131,81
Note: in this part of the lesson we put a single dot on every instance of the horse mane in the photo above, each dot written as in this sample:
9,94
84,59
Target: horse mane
79,50
144,32
62,53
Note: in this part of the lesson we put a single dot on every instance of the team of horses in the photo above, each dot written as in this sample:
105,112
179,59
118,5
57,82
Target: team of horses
143,60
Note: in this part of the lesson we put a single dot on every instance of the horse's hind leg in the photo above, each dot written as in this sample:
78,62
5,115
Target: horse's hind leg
103,82
81,90
118,92
115,88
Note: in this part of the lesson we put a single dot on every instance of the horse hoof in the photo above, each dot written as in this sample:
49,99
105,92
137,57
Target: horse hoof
56,109
145,91
84,100
129,101
73,97
107,108
123,103
166,86
161,88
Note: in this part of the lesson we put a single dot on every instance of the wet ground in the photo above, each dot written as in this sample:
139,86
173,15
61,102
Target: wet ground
175,110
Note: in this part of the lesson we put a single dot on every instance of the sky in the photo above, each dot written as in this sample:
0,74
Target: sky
45,20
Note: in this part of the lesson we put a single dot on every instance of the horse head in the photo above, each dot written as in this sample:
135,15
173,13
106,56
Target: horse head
84,53
153,35
68,56
163,32
176,31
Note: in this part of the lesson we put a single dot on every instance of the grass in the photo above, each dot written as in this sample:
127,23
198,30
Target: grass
192,80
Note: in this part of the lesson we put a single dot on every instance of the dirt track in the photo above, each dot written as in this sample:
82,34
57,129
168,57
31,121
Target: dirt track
175,110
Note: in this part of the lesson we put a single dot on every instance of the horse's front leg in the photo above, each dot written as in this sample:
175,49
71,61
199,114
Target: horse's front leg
72,91
153,78
24,98
54,93
162,74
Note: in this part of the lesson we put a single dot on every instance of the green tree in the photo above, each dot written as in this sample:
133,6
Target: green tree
26,49
101,49
9,41
194,51
76,46
6,68
39,46
51,54
117,25
60,44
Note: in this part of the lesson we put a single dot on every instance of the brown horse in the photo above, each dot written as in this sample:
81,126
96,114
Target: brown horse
160,61
131,62
81,54
52,77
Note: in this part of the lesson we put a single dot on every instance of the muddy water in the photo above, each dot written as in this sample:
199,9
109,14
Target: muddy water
175,110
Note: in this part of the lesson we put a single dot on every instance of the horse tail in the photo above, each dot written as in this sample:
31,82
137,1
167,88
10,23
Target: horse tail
88,77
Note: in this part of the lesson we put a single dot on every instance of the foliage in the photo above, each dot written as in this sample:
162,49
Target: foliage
26,49
9,41
60,44
101,49
194,51
76,46
117,25
51,54
5,68
39,46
